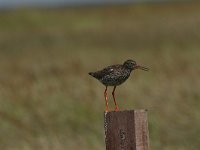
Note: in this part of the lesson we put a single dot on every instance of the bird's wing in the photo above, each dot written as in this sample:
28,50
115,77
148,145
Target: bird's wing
108,71
113,72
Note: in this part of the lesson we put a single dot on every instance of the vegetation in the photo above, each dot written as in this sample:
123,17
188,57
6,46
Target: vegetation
48,100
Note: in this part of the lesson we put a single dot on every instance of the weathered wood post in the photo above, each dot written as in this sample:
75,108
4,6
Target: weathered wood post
126,130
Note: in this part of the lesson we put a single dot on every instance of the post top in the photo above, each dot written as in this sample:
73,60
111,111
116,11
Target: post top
125,111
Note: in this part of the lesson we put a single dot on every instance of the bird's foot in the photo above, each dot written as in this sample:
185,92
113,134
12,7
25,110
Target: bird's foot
106,110
116,108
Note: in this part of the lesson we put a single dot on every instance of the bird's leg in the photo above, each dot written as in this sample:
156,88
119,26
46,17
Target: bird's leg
106,98
113,94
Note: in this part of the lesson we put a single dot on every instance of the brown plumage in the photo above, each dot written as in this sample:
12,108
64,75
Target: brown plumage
115,75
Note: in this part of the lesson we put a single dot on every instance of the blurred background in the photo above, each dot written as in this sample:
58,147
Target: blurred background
49,102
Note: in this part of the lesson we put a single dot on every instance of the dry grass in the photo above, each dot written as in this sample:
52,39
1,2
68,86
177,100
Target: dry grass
47,99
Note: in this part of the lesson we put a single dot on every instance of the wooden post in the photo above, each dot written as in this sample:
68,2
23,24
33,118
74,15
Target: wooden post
126,130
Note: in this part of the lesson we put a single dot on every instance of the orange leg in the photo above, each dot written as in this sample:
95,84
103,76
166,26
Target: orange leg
113,94
106,98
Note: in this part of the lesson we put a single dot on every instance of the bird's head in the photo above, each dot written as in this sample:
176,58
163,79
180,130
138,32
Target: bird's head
131,64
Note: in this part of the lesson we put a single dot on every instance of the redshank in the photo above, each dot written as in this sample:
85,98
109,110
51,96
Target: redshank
115,75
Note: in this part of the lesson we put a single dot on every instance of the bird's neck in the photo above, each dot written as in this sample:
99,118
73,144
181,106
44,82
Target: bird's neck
129,71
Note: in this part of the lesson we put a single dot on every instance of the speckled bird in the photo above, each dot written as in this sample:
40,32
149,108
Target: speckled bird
115,75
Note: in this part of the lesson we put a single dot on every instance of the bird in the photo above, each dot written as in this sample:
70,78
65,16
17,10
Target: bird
115,75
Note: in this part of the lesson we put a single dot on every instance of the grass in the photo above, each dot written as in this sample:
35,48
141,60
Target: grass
47,99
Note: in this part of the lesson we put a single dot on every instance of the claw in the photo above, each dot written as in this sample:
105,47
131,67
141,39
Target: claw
117,108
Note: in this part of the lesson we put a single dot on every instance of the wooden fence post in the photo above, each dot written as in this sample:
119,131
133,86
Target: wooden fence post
126,130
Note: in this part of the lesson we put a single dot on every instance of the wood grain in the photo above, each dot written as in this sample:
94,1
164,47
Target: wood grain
126,130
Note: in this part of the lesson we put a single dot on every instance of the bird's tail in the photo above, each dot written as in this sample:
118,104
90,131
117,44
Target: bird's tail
91,73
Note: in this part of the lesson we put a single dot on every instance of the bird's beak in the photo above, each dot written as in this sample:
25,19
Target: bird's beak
141,67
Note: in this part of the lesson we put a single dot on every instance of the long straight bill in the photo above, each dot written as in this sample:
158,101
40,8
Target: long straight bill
143,68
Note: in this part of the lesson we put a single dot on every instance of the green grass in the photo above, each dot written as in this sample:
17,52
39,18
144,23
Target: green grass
48,100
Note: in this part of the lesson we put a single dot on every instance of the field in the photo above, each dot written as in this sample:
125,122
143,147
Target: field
49,102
